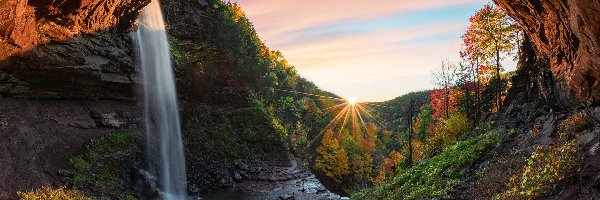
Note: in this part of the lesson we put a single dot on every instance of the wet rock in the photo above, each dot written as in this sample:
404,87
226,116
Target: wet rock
593,150
237,176
586,139
287,197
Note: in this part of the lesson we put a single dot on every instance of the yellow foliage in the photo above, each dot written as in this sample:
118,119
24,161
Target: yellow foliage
332,159
49,193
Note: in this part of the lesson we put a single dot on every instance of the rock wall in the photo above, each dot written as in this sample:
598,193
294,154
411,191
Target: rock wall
68,49
37,137
568,33
28,23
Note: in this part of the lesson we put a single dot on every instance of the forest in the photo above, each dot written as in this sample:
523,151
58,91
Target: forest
76,125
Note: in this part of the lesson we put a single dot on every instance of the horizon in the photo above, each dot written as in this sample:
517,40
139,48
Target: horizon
330,45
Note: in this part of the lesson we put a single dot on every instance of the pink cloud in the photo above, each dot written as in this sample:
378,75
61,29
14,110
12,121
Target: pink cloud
372,65
274,17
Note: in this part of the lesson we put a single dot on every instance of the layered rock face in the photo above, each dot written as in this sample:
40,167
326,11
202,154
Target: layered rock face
62,49
73,49
568,33
37,137
27,23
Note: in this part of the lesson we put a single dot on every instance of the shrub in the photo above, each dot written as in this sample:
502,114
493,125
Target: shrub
447,132
107,163
49,193
437,176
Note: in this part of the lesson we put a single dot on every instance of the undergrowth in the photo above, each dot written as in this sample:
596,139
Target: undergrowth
107,165
437,176
49,193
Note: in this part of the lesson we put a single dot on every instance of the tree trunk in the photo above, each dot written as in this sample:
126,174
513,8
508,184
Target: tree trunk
447,104
499,84
477,95
410,131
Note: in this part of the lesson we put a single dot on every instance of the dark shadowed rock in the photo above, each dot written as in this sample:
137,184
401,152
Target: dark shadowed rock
68,49
37,137
568,33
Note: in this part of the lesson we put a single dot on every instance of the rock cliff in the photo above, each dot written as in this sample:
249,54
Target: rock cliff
75,49
568,34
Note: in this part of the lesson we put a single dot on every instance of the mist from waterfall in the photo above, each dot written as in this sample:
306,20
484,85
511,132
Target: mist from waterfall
165,156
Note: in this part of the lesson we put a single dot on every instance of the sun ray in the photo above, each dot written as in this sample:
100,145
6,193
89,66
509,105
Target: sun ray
309,94
334,107
360,107
363,122
346,116
369,114
336,118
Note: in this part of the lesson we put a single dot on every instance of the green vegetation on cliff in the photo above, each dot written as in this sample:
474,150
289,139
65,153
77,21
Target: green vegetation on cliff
109,165
437,176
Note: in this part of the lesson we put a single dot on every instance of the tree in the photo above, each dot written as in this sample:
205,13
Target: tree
443,103
424,122
360,161
411,111
444,80
490,34
332,159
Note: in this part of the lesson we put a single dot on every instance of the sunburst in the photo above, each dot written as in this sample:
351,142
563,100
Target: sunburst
349,113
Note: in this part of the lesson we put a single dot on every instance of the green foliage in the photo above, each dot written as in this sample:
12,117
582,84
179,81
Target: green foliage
546,167
331,159
437,176
49,193
186,54
212,136
424,122
449,130
107,163
359,160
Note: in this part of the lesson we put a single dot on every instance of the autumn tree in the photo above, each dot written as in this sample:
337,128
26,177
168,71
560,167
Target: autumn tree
444,80
360,161
424,122
390,165
491,33
332,159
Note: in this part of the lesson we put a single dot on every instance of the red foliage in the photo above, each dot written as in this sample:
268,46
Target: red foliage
443,102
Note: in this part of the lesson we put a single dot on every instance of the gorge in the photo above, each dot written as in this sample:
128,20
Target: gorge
81,83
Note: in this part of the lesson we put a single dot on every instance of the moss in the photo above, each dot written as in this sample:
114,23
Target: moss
108,163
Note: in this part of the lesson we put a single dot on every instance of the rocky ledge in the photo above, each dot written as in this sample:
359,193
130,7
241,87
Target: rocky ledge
68,49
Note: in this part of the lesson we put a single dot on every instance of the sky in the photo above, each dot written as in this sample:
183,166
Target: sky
372,50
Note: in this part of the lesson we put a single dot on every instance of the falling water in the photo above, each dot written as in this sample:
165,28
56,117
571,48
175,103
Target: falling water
163,133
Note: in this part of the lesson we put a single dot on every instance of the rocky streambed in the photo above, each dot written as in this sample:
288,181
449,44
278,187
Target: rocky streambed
278,178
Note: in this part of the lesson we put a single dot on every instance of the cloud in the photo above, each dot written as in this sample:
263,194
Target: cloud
374,50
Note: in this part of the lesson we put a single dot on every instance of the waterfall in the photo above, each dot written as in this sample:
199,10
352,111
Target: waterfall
163,132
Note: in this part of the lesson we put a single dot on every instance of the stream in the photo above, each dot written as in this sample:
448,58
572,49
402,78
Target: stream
281,180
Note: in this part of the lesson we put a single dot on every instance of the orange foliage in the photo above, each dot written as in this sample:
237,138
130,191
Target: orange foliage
332,159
